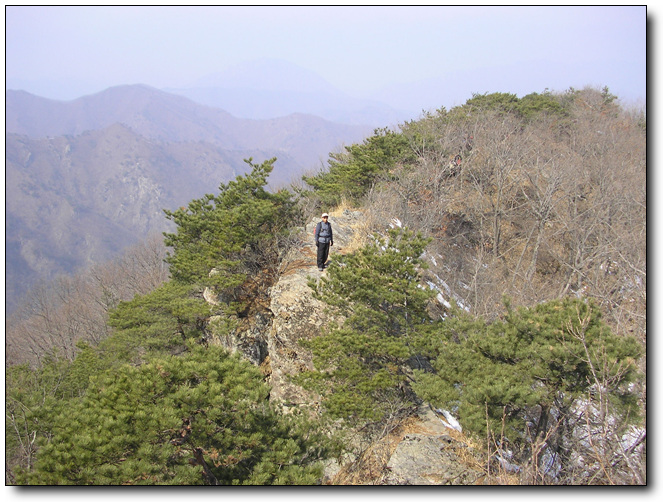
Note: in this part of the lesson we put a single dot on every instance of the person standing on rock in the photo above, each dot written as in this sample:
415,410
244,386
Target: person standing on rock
324,239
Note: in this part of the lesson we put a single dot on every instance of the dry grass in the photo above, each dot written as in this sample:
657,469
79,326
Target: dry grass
371,466
363,228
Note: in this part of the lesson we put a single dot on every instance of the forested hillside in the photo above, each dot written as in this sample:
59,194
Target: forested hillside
499,278
535,198
87,178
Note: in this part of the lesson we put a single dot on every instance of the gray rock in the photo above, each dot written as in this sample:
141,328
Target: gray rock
426,455
421,459
430,456
271,338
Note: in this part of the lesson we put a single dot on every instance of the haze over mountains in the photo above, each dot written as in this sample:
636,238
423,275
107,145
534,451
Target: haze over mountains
87,177
269,88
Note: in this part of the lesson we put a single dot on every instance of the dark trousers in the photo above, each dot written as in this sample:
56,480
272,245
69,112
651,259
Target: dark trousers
323,253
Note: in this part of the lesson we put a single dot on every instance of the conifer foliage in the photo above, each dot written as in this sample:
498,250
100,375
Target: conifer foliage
160,321
541,379
359,365
153,405
353,172
202,418
229,232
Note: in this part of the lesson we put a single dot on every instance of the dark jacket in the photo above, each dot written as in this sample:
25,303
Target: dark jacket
324,233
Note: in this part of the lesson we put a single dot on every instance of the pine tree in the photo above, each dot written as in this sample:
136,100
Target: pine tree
353,172
160,322
359,364
202,418
222,232
31,396
529,377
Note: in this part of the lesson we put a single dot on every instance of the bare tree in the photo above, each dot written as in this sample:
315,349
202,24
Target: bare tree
55,316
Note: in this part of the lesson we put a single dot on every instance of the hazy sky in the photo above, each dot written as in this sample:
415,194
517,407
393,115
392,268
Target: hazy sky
356,49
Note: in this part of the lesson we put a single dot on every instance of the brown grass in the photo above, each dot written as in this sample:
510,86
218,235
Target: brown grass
371,465
363,228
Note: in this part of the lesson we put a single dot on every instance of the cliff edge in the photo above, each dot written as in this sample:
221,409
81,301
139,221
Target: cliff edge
424,450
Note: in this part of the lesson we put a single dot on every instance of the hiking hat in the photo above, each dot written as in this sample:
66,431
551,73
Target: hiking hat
324,214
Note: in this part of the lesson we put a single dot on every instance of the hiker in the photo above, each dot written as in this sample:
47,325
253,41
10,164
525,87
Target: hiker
324,239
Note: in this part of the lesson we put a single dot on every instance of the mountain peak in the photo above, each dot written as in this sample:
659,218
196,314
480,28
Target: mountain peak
267,74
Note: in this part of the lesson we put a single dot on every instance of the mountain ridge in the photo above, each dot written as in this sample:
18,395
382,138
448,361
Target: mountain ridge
260,89
140,149
154,114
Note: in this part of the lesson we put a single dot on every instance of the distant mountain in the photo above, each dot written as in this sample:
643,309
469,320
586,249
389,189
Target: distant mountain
268,88
149,112
270,75
162,116
72,201
88,177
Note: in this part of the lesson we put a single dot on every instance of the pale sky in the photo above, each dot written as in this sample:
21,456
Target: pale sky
356,49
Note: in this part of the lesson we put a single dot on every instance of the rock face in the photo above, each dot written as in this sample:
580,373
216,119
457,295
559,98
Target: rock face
423,452
431,456
297,315
270,336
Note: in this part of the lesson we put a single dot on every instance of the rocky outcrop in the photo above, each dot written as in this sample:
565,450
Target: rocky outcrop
431,455
269,337
297,315
425,450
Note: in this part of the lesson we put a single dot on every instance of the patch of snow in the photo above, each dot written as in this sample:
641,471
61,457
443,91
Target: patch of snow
631,438
506,465
453,423
450,422
440,297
